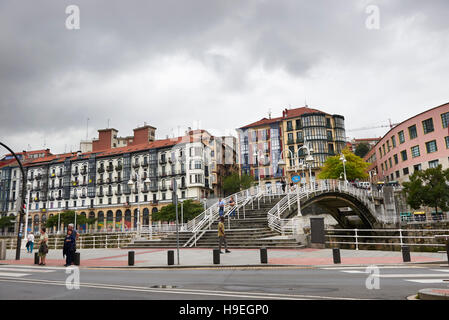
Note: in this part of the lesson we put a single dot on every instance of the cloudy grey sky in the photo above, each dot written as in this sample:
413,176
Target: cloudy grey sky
216,64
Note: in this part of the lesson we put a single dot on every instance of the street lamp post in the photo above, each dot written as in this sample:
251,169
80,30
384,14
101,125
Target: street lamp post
308,160
130,184
27,211
258,157
343,159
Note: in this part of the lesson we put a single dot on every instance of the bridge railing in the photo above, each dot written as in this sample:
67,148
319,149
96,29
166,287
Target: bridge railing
387,237
297,193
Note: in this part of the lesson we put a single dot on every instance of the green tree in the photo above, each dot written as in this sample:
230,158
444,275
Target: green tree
428,188
235,183
362,149
69,217
355,167
6,222
168,213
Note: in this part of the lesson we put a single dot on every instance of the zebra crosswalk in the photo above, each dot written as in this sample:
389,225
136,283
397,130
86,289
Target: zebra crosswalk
19,271
417,274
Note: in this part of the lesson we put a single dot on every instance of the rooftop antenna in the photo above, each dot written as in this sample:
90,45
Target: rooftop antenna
108,122
269,113
87,129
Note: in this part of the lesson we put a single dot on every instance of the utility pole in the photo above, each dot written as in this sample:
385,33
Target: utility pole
21,212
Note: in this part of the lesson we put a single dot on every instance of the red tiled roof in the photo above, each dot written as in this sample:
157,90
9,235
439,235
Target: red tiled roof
293,113
286,114
262,122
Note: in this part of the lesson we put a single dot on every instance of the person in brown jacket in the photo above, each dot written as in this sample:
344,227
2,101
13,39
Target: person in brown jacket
222,235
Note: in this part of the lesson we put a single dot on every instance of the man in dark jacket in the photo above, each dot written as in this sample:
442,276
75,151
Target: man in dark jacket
69,248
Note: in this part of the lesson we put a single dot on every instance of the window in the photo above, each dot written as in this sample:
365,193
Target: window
396,161
405,171
428,125
433,164
404,155
393,141
289,126
417,167
391,163
447,142
415,152
431,146
397,174
445,119
412,132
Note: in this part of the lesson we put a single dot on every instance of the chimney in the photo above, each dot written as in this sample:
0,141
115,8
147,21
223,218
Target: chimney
143,134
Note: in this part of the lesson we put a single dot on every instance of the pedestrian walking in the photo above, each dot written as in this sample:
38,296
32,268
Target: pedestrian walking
68,250
284,184
221,205
232,204
43,246
30,242
222,235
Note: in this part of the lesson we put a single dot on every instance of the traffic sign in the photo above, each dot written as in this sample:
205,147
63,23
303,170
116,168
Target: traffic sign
296,179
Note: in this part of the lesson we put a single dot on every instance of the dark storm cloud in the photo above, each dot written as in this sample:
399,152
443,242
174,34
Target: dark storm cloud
45,68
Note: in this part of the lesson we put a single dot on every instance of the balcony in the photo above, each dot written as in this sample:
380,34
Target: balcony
127,192
136,165
59,198
118,193
289,128
109,194
83,196
108,180
100,170
53,175
75,173
118,180
164,174
299,140
289,141
110,168
162,161
145,190
153,188
171,160
75,183
100,194
100,181
164,188
183,186
145,164
118,167
37,188
83,171
38,177
74,196
51,198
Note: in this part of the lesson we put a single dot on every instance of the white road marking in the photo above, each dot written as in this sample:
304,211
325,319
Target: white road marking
25,269
234,294
440,270
10,274
380,267
410,275
428,280
18,266
353,271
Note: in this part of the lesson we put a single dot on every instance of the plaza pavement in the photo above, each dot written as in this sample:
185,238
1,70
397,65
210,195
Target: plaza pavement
202,257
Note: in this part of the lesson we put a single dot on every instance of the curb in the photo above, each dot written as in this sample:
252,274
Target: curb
433,294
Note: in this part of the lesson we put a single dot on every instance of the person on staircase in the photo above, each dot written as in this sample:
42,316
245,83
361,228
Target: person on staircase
222,235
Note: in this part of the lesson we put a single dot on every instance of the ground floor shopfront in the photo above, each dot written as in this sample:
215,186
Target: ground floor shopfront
116,218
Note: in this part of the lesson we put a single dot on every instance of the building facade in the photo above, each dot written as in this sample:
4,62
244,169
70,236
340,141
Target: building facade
263,144
97,184
417,143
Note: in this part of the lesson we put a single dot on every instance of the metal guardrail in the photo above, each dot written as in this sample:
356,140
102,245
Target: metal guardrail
358,236
292,226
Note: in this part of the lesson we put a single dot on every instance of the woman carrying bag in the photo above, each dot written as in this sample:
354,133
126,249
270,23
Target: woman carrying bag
43,247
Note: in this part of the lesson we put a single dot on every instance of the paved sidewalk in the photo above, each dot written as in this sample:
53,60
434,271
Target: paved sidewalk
199,257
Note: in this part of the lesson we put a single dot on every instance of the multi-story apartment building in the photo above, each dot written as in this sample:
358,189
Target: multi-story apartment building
262,144
97,184
417,143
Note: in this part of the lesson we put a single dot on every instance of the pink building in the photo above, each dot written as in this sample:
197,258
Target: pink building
415,144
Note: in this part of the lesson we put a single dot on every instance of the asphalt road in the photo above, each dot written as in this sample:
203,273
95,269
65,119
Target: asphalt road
347,283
